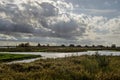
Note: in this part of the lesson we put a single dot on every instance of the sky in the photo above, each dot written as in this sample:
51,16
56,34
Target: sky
55,22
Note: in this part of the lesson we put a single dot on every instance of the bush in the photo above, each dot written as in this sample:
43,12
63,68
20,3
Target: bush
103,61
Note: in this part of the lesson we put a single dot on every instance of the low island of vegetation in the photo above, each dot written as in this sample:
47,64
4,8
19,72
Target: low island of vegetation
7,57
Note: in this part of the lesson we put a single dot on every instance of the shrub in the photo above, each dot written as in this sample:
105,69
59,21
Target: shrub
103,61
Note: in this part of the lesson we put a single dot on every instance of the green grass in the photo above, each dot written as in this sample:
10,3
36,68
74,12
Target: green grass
84,67
6,57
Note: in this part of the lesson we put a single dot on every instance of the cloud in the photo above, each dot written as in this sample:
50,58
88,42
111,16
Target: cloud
64,21
65,26
48,9
6,37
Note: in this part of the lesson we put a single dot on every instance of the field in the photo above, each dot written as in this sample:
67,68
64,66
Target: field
84,67
5,57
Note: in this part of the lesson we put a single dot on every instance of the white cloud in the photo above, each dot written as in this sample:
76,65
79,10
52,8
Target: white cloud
6,37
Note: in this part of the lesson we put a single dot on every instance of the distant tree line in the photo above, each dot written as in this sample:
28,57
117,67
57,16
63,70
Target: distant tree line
70,45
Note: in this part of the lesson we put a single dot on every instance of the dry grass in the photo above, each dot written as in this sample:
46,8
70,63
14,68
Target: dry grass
69,68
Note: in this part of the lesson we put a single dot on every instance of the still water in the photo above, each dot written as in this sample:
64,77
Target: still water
61,55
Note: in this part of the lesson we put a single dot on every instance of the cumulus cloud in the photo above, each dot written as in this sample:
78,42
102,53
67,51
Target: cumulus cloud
62,21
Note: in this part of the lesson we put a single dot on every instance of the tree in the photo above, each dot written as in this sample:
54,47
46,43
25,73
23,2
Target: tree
93,45
62,45
79,46
100,46
21,45
27,44
71,45
38,45
24,45
113,46
48,45
86,46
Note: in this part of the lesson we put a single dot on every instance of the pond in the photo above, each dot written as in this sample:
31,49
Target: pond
60,55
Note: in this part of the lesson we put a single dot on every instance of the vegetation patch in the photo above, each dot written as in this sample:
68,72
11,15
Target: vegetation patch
86,67
6,57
